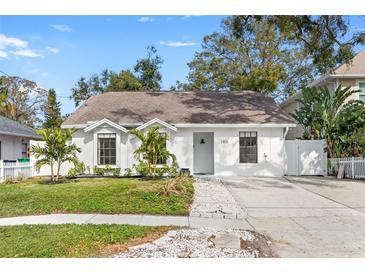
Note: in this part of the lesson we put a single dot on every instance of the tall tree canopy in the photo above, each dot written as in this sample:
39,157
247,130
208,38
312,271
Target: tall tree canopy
106,81
148,70
21,100
271,54
147,76
52,111
125,80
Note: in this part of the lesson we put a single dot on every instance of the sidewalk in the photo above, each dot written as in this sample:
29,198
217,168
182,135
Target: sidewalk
143,220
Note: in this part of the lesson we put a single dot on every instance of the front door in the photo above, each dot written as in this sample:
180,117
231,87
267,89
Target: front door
203,153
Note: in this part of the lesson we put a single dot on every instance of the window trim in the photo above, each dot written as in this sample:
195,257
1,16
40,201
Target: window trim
358,82
98,159
239,148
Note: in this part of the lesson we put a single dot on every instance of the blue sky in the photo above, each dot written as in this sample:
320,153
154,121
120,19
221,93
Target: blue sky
55,51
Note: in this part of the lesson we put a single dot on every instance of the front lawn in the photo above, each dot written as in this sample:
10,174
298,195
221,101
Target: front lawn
50,241
112,196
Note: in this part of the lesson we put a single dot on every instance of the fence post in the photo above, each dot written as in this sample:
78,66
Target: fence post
352,167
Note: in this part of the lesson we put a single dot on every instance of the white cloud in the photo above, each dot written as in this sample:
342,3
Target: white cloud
3,54
26,53
53,50
63,28
177,44
145,19
6,41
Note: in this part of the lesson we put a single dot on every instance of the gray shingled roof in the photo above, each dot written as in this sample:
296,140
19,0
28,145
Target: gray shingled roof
11,127
181,108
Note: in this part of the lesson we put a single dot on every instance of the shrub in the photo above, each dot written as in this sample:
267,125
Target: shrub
107,170
142,168
78,169
98,170
174,186
128,172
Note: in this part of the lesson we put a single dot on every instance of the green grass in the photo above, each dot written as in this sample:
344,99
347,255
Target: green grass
112,196
51,241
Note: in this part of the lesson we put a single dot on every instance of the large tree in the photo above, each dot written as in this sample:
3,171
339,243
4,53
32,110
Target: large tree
85,88
148,70
249,53
52,111
106,81
124,81
21,100
271,54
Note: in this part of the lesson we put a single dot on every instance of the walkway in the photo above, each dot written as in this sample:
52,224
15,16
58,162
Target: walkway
144,220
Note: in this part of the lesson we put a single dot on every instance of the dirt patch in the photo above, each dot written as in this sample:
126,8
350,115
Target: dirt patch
262,244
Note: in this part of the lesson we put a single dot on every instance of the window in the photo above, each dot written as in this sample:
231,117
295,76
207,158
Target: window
25,150
248,147
362,92
162,161
106,149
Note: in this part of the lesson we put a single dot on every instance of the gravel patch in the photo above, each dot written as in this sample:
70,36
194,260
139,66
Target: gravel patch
196,243
213,200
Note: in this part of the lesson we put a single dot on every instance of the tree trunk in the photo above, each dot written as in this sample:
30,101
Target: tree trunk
58,169
149,167
52,170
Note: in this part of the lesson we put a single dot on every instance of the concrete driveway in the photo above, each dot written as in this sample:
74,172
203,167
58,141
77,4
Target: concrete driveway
305,216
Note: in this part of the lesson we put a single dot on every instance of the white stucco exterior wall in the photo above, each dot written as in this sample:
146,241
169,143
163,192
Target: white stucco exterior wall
270,146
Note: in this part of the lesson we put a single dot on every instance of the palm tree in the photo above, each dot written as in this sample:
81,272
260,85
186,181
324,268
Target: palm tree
55,150
319,110
153,147
47,152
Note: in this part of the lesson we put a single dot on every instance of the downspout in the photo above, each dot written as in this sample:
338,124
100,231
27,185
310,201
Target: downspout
286,132
286,158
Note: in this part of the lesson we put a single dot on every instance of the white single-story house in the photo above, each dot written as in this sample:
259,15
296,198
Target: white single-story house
220,133
14,139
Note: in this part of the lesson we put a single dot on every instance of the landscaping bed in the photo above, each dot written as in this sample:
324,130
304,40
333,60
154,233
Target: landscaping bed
51,241
163,196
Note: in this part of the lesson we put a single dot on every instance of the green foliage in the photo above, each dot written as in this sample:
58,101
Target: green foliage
152,149
277,55
142,168
106,81
128,172
148,70
99,170
327,115
324,38
107,170
67,240
109,196
78,169
248,54
21,100
125,80
55,150
52,111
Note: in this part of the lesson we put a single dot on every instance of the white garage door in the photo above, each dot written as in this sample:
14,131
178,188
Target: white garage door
306,157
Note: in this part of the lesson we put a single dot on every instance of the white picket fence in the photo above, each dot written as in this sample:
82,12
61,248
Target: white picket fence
354,166
15,170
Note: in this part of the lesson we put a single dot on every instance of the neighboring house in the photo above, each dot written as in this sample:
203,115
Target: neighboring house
14,139
221,133
352,75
